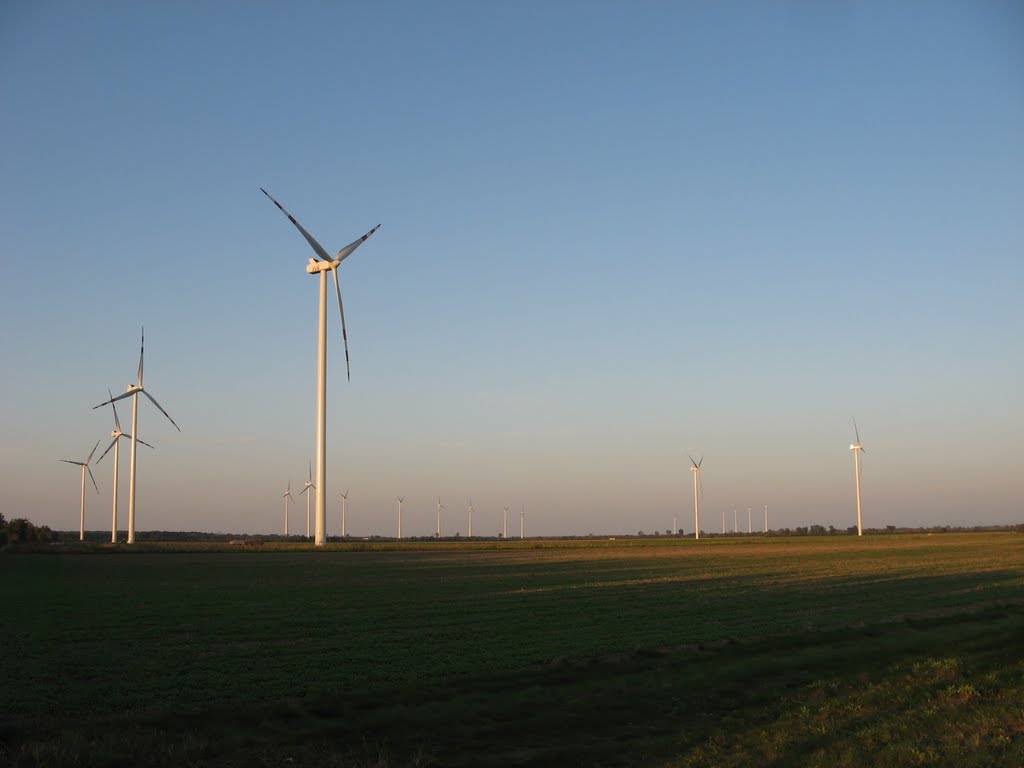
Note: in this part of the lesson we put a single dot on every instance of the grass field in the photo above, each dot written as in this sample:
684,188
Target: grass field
883,651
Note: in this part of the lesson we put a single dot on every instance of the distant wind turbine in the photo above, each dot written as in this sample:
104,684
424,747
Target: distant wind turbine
470,511
287,498
766,518
748,521
117,434
695,469
400,499
85,468
133,393
504,523
344,513
322,266
310,485
440,506
857,449
522,517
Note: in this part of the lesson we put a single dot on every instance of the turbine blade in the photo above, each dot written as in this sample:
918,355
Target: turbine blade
165,413
700,462
92,452
344,332
108,450
129,393
69,461
693,462
856,431
309,238
142,349
344,252
139,440
93,479
117,421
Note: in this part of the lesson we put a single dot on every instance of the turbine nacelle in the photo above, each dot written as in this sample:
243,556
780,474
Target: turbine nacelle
315,267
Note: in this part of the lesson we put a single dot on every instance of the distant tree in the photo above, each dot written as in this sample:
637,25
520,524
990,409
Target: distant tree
21,531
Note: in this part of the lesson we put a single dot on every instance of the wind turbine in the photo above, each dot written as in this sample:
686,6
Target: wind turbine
695,469
440,506
504,523
748,520
117,434
344,513
766,518
322,266
522,516
287,498
133,392
309,485
400,499
470,511
85,468
857,449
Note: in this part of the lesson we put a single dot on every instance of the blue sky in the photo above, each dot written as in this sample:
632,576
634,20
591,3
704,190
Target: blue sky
613,234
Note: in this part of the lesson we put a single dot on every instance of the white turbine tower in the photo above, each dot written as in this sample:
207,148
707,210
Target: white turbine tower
748,521
522,518
400,499
695,469
117,434
133,392
85,468
470,512
287,498
857,449
322,266
344,514
766,518
440,506
310,485
504,523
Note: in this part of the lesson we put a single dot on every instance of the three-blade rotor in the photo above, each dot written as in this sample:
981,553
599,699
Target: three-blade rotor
85,465
117,434
324,261
135,388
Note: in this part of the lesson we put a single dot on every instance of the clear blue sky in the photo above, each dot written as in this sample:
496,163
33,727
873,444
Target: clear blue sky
614,233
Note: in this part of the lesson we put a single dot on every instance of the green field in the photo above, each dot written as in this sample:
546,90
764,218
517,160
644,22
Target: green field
882,651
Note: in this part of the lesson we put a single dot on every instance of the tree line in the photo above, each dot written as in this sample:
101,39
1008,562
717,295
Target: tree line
22,531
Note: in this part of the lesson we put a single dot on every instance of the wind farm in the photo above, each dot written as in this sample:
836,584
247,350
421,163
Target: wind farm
617,240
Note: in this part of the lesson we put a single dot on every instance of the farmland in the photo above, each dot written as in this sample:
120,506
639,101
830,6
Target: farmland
896,650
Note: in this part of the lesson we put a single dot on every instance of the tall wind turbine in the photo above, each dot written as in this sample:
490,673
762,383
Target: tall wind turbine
85,468
440,506
133,393
470,512
287,498
766,518
344,513
117,434
857,449
504,523
522,518
695,469
310,485
322,266
748,521
400,499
